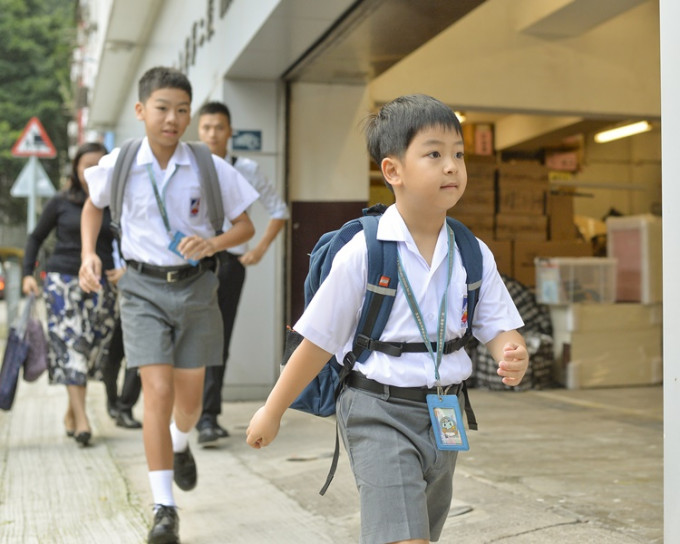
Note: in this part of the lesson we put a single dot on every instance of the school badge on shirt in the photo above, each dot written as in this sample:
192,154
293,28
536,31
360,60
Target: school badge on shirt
464,318
194,207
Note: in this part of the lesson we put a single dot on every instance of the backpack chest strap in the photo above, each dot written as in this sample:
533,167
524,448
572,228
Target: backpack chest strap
395,349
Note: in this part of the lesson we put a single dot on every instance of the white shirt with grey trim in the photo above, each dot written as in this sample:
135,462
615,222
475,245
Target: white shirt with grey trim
332,316
144,236
269,197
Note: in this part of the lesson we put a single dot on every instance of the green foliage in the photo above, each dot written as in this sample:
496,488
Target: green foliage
38,37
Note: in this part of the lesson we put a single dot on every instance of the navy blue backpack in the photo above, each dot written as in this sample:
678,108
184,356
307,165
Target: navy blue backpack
319,397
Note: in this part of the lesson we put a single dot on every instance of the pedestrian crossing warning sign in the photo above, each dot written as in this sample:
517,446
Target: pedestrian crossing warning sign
34,142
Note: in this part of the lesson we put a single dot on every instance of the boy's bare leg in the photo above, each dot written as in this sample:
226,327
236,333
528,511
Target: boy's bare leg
188,397
158,385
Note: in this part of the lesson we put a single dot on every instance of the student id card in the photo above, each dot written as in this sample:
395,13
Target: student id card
172,246
447,422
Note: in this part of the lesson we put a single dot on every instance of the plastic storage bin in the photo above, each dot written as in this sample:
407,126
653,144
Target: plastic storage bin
565,280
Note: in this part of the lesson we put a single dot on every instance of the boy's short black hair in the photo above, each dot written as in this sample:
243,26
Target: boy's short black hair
210,108
390,131
162,77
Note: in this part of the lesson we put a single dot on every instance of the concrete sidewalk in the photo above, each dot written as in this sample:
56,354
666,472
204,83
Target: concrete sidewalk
552,466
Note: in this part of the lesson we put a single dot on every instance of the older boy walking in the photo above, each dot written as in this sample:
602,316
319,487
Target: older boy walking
171,322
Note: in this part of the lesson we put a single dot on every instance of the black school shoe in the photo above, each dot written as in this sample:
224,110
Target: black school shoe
126,420
165,528
221,431
207,436
185,470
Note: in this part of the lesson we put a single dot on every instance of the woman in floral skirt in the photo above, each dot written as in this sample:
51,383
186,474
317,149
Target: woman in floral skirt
78,323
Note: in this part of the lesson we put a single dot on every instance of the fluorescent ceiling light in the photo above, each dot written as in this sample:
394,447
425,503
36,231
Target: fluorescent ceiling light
461,116
622,132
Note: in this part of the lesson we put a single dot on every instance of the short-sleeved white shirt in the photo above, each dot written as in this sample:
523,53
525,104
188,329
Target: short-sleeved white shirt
332,316
144,235
269,198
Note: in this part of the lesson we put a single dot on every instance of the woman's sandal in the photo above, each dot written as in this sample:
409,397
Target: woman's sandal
83,438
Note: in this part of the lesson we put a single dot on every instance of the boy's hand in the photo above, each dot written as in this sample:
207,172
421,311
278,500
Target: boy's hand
514,364
114,275
195,247
251,257
262,429
90,272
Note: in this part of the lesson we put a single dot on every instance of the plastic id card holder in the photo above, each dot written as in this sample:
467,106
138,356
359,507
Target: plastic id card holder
447,422
172,246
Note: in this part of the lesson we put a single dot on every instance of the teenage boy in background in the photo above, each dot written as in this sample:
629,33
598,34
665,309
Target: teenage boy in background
171,321
404,478
214,129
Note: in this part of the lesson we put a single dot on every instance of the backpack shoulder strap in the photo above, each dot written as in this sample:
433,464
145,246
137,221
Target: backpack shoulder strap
126,156
210,184
381,287
471,255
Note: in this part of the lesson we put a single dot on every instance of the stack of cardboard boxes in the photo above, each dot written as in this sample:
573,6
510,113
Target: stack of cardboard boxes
615,337
511,208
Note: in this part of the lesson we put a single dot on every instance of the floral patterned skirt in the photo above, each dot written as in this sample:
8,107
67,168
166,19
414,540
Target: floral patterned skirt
79,325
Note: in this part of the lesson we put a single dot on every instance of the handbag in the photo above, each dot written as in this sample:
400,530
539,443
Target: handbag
16,351
36,358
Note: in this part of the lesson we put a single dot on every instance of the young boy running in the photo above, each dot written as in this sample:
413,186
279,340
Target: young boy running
171,322
404,480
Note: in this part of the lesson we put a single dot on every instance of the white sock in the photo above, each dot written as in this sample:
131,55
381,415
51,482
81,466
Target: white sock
180,440
161,487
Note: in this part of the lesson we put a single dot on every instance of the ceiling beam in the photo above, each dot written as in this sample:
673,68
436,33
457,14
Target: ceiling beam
568,18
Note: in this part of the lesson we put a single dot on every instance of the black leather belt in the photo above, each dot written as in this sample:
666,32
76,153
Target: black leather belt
172,274
418,394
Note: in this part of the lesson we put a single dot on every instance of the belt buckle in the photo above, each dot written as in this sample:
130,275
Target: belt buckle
172,276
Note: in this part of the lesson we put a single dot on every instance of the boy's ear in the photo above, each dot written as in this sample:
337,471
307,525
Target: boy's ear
391,170
139,111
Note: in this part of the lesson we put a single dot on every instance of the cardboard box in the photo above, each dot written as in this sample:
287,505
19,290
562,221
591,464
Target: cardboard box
482,201
502,253
522,196
525,252
522,171
635,241
605,345
532,228
560,209
480,167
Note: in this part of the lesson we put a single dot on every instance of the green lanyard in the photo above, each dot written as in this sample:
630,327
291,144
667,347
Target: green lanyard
159,200
415,310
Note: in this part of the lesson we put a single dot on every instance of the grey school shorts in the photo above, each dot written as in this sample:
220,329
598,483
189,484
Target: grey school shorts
175,323
405,483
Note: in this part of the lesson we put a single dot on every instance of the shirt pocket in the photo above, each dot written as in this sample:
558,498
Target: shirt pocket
189,205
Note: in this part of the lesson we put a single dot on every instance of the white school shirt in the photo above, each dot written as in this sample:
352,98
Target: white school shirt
332,316
269,198
144,236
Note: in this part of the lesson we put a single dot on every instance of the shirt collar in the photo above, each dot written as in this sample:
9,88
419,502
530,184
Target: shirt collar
392,227
179,157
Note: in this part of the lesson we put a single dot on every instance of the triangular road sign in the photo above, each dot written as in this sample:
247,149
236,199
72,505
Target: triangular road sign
34,142
32,173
